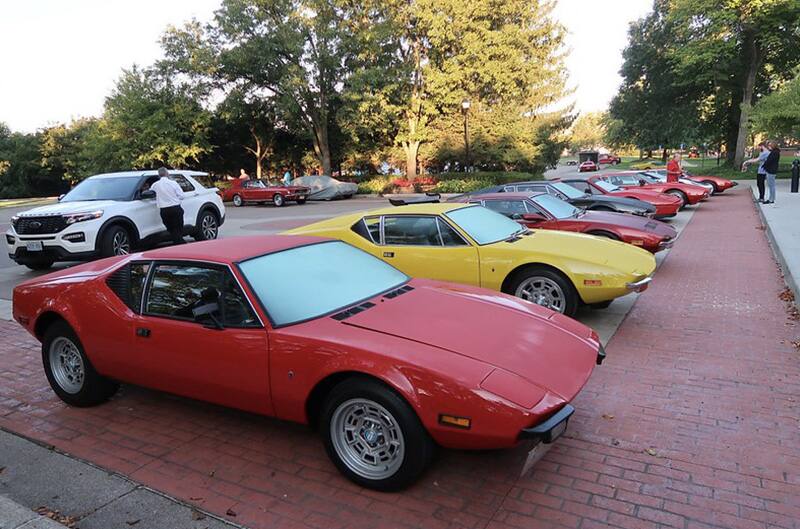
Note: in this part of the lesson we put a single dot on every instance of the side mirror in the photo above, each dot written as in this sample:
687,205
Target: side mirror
588,190
62,195
147,194
533,217
642,182
206,313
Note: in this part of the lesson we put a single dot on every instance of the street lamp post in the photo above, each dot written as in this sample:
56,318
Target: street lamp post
465,109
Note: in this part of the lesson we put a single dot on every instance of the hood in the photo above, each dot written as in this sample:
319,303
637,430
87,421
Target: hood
62,208
654,197
633,222
623,202
548,349
78,273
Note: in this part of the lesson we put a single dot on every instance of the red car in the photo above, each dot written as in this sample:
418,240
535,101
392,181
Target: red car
543,211
609,159
588,165
666,205
243,191
385,366
687,193
718,183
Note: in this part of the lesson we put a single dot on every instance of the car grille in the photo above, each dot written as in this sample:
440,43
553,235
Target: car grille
40,225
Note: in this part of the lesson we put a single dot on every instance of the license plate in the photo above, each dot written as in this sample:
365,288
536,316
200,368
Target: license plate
558,430
34,246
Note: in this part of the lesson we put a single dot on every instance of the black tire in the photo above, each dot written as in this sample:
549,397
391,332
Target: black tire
680,194
418,445
40,265
571,300
301,201
714,187
277,200
207,226
116,240
94,388
238,201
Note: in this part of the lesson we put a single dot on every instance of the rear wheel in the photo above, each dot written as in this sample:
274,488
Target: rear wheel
301,201
680,194
40,265
238,201
373,436
547,288
69,371
277,200
208,227
116,240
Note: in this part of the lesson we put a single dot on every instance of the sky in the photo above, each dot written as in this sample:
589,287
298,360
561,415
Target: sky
59,59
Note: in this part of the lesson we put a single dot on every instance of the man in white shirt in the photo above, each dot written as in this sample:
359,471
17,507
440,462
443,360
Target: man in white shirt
168,198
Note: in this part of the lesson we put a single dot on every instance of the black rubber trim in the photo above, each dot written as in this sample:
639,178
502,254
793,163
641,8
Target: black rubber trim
544,431
601,354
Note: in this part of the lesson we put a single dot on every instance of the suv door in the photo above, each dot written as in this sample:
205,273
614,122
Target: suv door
191,199
221,356
144,212
424,246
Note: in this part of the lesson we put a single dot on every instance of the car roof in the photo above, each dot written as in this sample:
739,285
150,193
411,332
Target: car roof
232,249
509,196
152,172
419,209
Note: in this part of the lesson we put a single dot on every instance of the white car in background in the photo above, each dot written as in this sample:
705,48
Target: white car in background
109,214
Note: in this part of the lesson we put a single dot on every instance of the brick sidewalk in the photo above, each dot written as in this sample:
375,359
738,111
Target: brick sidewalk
692,422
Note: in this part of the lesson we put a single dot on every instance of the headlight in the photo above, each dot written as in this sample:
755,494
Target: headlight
80,217
14,220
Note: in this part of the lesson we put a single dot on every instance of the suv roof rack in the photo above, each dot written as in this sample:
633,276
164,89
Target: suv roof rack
429,198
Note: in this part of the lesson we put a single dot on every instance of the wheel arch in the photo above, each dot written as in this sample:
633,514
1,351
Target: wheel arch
117,221
47,319
505,287
604,233
206,207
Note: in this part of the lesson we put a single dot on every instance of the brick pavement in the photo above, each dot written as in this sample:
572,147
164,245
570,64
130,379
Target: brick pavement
692,423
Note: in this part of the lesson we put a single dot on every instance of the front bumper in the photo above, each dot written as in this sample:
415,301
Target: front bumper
551,429
664,245
639,286
55,247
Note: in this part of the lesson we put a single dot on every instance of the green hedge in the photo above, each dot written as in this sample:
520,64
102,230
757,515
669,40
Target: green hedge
449,182
496,177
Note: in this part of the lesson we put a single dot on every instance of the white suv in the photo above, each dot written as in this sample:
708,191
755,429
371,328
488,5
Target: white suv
109,214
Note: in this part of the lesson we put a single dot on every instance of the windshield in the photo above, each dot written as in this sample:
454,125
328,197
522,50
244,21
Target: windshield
310,281
556,207
483,225
117,188
606,186
568,190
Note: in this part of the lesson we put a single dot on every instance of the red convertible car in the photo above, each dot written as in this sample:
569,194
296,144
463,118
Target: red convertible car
543,211
588,165
688,193
386,367
243,191
666,205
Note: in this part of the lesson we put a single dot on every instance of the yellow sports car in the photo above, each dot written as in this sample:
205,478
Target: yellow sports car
470,244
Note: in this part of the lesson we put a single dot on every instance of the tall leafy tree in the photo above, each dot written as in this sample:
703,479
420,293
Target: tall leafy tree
778,114
588,131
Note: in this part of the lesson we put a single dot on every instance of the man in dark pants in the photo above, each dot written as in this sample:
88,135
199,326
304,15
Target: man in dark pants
761,176
168,198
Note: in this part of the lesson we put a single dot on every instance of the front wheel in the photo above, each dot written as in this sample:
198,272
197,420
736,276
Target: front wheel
116,241
714,188
681,195
208,227
69,371
546,288
237,201
301,201
277,200
373,436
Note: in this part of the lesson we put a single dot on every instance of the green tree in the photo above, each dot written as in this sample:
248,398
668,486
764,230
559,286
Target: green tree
588,131
79,149
153,121
778,114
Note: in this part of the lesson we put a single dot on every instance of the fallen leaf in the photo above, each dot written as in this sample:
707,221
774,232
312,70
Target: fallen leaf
133,522
2,469
197,515
196,499
615,442
608,416
651,451
211,474
230,512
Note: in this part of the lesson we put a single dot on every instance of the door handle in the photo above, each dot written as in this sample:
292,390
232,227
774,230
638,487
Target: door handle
142,332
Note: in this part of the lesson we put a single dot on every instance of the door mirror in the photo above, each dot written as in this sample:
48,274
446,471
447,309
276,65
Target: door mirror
533,217
61,196
147,194
207,315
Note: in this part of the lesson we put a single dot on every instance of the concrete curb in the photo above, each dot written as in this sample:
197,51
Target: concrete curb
788,278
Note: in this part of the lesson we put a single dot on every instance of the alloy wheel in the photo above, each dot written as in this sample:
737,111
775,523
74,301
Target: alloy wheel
209,227
121,243
66,364
542,291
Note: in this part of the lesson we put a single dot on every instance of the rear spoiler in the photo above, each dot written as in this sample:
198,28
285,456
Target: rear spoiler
429,198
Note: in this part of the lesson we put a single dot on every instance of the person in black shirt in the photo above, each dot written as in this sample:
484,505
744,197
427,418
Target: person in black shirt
771,170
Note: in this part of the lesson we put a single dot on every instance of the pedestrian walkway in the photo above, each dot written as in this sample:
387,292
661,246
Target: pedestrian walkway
782,221
692,422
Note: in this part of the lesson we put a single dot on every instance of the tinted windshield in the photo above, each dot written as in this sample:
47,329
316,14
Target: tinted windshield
483,225
310,281
117,188
556,207
568,190
606,186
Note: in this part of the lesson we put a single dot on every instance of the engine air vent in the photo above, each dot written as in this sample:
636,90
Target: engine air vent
352,311
120,283
398,292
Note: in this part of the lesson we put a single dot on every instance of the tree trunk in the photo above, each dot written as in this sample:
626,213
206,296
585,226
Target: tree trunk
753,63
411,149
321,147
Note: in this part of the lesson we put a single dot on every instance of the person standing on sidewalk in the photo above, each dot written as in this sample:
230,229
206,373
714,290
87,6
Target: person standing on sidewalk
760,175
771,169
168,198
674,170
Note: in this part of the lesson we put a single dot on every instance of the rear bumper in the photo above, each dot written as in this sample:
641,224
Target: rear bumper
639,286
551,429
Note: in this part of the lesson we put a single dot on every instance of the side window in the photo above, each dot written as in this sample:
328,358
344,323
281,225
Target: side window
507,207
138,277
450,237
176,290
369,228
411,231
186,185
528,187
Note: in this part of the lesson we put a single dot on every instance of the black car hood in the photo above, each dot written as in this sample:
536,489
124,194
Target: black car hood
621,202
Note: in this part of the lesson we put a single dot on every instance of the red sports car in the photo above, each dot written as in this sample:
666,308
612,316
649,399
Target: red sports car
385,366
609,159
543,211
718,183
666,205
688,193
588,165
243,191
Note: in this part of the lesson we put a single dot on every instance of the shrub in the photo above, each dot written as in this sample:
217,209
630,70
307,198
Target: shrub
495,177
375,186
464,185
